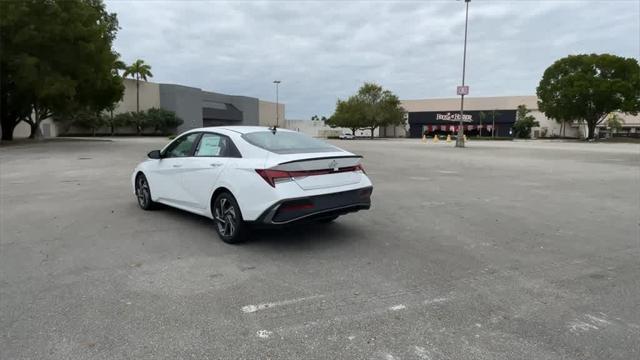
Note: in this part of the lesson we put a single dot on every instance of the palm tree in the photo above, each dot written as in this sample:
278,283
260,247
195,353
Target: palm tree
117,66
138,70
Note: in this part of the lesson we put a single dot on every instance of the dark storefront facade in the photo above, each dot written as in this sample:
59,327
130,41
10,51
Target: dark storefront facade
430,123
198,108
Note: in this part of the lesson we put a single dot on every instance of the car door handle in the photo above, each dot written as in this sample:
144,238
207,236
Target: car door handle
177,166
215,164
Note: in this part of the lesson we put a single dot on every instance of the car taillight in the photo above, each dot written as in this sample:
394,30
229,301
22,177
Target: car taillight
272,176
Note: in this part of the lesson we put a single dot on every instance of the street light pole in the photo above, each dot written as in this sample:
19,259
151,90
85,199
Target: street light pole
460,137
277,82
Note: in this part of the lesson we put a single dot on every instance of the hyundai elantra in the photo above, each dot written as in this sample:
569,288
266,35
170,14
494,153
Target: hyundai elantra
244,175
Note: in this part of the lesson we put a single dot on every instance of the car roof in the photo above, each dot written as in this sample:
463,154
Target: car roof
240,129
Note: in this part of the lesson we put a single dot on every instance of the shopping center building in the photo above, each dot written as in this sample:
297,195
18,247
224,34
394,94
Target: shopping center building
196,108
484,116
492,116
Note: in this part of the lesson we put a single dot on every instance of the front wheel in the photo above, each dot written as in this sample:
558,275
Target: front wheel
143,193
228,219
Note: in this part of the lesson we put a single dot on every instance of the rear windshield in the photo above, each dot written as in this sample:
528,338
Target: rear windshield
287,142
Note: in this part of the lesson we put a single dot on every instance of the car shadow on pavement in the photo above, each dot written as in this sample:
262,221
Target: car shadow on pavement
305,236
295,237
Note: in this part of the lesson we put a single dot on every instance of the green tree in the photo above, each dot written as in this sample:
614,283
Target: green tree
614,122
382,107
90,121
163,121
588,87
56,56
524,122
138,70
349,114
85,119
317,118
118,65
370,108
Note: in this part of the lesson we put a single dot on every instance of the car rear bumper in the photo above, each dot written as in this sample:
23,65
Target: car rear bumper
316,207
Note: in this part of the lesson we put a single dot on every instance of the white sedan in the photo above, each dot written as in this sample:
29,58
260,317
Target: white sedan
243,175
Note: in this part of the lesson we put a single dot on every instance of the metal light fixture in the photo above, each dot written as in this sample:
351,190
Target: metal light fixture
460,137
277,82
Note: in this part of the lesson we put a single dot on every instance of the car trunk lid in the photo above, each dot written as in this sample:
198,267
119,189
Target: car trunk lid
322,171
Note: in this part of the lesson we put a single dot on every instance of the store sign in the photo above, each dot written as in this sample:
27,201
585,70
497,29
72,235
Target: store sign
454,117
462,90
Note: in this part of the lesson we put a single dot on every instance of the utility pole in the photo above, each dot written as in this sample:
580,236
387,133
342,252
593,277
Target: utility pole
277,82
460,137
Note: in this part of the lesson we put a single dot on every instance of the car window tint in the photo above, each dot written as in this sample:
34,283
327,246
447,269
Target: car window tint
286,142
212,145
182,147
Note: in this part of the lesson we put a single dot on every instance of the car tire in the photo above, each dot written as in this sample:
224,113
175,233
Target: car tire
328,220
143,193
228,219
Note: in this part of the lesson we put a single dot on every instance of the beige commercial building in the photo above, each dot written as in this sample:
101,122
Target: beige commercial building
487,116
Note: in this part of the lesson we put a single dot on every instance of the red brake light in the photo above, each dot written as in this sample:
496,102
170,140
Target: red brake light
271,176
359,167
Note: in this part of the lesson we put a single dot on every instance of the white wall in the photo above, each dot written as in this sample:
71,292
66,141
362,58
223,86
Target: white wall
551,127
23,130
319,129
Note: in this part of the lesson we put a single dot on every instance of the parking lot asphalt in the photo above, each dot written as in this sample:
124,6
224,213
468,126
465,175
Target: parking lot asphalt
502,250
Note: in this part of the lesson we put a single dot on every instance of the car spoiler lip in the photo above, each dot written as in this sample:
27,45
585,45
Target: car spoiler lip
322,158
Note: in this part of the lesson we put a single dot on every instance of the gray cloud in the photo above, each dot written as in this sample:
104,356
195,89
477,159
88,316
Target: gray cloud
325,50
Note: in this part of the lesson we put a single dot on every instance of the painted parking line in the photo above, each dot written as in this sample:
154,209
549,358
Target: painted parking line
258,307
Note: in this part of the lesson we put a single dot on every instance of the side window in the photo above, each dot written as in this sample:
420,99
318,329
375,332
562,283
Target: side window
212,145
182,146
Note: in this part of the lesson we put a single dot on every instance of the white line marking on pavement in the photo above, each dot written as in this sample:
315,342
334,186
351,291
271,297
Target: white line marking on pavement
436,300
397,307
578,325
264,333
253,308
422,353
594,319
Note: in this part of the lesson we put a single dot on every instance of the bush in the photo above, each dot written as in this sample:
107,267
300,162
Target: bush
524,122
160,120
83,118
163,121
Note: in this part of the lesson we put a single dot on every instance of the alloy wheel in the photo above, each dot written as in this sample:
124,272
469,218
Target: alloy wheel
226,218
142,192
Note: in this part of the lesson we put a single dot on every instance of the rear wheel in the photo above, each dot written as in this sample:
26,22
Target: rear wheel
143,193
228,219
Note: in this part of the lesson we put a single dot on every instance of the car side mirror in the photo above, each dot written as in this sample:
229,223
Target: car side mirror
155,154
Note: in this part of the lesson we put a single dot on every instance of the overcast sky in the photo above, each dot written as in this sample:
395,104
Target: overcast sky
325,50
